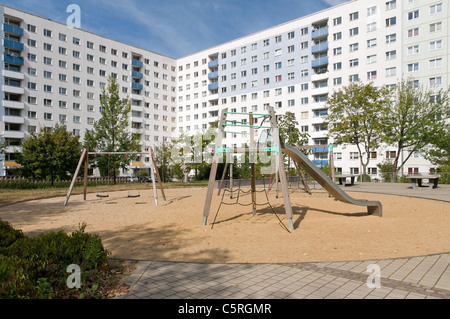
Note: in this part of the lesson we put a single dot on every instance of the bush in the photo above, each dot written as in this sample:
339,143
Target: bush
35,267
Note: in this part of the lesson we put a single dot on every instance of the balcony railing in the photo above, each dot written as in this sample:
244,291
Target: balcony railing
12,29
137,74
320,32
213,64
13,44
319,62
213,86
213,75
320,47
137,86
137,63
13,59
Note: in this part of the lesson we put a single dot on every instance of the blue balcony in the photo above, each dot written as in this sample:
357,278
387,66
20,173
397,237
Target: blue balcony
320,47
137,63
137,86
213,75
320,150
322,32
137,74
13,59
319,62
320,163
213,86
213,64
13,44
12,30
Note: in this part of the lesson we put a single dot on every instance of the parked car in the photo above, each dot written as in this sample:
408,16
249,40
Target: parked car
146,179
133,179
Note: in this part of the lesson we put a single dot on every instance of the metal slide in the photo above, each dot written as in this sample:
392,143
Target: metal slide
373,207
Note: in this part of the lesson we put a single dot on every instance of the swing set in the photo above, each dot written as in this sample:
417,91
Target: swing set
84,158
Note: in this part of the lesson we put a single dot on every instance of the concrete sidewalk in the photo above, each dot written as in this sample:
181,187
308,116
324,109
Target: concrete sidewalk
417,277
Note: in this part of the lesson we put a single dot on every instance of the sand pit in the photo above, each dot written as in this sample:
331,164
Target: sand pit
325,230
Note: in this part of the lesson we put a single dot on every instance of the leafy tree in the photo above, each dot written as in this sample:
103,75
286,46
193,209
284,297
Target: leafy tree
112,132
50,153
415,119
439,151
290,134
354,118
162,159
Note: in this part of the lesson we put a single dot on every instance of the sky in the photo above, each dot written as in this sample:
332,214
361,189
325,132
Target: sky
175,28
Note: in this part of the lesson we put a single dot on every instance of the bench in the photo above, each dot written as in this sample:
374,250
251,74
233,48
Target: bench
343,179
416,180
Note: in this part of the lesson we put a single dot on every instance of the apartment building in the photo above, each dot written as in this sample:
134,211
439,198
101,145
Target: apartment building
55,74
297,65
52,73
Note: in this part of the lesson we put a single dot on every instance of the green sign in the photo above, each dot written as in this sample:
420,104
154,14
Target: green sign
331,146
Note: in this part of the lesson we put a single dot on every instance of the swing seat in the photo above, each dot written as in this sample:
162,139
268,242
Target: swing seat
102,196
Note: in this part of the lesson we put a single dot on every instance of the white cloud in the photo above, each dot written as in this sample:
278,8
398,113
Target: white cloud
333,3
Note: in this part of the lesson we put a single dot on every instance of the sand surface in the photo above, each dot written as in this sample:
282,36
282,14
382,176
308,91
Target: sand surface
325,229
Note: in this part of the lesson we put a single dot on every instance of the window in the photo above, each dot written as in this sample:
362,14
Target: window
413,32
291,35
354,31
391,71
337,51
354,78
48,116
31,28
47,47
278,39
391,55
371,27
47,33
391,5
89,45
337,21
413,67
47,61
337,36
435,27
371,11
337,66
291,48
371,75
391,21
77,119
391,154
31,43
371,43
413,15
337,81
62,37
414,49
391,38
48,88
435,63
435,81
354,155
436,8
354,16
435,45
76,41
354,62
372,59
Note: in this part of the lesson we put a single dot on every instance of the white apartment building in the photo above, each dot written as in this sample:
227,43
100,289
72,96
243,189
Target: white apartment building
53,73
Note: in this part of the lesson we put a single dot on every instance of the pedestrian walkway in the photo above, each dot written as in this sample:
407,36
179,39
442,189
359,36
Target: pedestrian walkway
417,277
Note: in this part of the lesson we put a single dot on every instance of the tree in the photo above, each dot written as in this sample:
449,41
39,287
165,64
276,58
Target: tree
414,120
354,118
50,153
112,132
439,152
289,132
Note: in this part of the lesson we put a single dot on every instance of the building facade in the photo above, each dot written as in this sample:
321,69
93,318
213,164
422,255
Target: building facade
53,73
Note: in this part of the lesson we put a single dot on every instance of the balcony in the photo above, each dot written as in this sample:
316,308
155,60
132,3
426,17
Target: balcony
137,74
213,64
13,44
322,47
14,134
137,63
14,105
320,163
13,59
321,150
320,62
13,30
13,75
137,86
13,89
213,86
213,75
322,32
13,119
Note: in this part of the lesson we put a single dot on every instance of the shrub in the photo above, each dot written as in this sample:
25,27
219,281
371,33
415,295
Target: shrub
35,267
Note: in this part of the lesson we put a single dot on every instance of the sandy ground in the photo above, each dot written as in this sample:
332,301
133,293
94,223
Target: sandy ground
325,230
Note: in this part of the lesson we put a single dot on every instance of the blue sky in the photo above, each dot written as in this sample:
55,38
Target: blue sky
175,28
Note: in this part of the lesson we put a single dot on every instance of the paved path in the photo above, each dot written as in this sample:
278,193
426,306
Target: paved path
417,277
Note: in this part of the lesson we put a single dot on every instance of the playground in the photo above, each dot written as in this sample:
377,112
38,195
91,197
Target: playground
324,229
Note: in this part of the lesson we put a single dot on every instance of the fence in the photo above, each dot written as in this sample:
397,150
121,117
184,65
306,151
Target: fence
15,182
